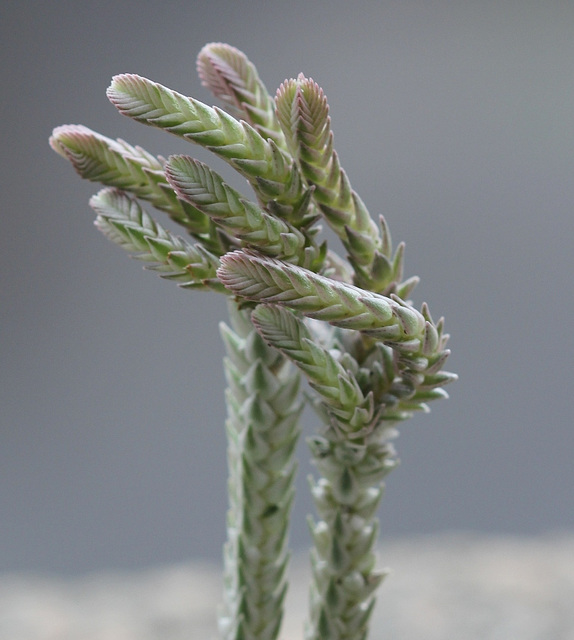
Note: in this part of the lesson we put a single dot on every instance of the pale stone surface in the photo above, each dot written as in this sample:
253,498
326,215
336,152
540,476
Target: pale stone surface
442,588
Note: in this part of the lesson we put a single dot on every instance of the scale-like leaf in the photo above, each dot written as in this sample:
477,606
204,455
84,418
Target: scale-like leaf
338,389
124,222
205,189
303,114
263,279
419,344
116,163
273,177
233,78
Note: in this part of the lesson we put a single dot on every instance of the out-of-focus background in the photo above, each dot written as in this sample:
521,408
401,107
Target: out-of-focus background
454,119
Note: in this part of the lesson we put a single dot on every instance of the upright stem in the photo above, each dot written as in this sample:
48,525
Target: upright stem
353,455
352,464
262,429
343,560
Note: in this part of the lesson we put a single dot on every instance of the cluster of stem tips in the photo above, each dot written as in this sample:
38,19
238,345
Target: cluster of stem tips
297,310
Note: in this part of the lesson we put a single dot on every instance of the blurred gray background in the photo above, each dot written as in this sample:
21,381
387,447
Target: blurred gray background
454,119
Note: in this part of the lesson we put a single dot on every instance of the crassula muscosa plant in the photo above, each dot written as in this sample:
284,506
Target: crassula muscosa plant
297,309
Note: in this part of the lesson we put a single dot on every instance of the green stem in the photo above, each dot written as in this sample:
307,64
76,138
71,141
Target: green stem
272,174
353,454
262,429
343,560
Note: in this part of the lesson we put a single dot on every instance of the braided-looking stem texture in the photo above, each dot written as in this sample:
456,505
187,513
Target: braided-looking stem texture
273,176
205,189
303,114
262,429
354,452
123,221
115,163
233,78
264,279
418,343
349,491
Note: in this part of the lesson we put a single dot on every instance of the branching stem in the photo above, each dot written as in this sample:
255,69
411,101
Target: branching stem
262,429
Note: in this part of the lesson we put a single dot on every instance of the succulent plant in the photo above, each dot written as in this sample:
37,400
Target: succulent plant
297,309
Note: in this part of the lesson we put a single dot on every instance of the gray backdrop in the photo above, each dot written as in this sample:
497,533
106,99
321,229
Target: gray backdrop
454,119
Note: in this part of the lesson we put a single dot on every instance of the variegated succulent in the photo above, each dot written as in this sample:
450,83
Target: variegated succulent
370,358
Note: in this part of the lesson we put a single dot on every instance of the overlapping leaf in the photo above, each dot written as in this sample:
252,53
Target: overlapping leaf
275,180
303,114
233,78
263,408
124,222
419,344
116,163
206,190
